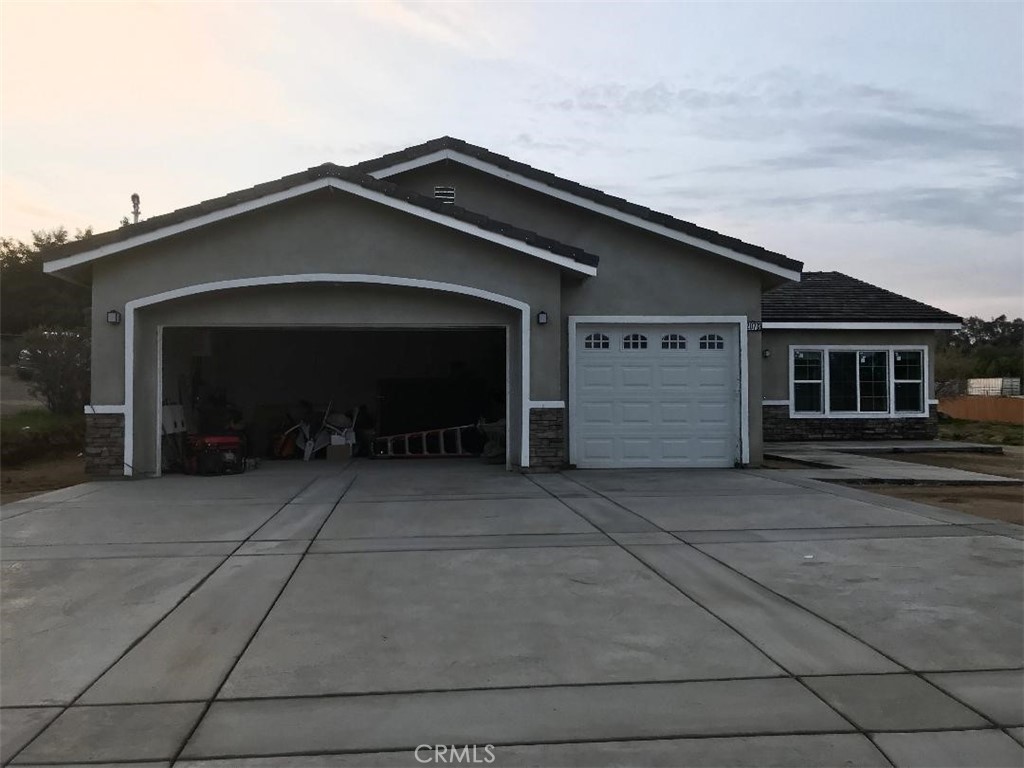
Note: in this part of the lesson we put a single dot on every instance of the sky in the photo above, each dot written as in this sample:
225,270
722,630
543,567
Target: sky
884,140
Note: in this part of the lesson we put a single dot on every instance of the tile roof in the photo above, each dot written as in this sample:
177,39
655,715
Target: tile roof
327,170
571,187
835,297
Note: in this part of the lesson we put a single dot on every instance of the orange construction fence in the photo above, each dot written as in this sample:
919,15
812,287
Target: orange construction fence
1007,410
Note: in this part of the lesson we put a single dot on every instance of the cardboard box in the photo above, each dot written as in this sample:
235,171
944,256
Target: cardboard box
339,452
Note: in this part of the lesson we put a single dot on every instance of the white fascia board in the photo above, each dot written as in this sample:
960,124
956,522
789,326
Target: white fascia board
862,326
582,202
302,189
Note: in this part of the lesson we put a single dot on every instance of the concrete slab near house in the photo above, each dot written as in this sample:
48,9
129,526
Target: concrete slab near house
950,749
556,624
894,703
997,694
892,592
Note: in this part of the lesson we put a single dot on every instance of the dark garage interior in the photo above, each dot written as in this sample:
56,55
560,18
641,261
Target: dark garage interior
259,383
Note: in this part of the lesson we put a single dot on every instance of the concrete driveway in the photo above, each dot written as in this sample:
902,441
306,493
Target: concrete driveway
314,615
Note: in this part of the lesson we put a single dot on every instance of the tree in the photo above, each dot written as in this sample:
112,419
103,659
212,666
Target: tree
982,349
59,360
28,297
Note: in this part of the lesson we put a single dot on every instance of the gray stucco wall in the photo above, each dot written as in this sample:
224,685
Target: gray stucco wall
640,273
324,232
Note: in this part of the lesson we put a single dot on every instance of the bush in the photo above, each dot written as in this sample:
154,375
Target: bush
59,360
37,432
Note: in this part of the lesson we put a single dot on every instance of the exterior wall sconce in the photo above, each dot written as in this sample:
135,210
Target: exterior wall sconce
542,318
766,353
114,317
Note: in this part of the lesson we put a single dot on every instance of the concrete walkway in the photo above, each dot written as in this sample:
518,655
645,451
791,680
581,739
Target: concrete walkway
853,461
313,615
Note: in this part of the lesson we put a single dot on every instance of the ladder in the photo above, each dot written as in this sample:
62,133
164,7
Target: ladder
430,443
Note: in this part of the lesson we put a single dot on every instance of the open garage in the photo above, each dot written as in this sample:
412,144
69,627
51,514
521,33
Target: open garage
262,383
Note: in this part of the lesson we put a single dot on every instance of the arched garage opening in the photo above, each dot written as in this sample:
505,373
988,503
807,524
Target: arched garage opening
459,333
383,382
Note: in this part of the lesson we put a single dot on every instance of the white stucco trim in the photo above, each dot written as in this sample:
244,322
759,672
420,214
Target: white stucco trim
932,401
740,320
812,326
318,277
826,412
302,189
104,409
590,205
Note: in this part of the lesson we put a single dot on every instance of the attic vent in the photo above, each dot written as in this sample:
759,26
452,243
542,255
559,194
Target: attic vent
445,194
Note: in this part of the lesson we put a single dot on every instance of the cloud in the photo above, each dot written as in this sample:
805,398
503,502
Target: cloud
848,148
995,208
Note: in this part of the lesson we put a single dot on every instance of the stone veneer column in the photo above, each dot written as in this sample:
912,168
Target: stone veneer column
104,444
547,438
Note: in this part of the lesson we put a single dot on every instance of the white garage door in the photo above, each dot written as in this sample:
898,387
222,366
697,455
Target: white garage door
656,396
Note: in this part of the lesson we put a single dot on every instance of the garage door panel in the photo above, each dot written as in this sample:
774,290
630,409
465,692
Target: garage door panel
634,414
636,448
598,449
713,376
676,449
674,413
639,376
675,376
597,376
598,413
657,406
713,413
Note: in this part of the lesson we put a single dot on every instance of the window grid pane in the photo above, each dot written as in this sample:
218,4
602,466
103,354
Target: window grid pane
596,341
712,341
842,391
634,341
874,381
673,341
807,366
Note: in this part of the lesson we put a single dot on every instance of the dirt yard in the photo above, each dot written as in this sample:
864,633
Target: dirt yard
41,475
995,502
1010,463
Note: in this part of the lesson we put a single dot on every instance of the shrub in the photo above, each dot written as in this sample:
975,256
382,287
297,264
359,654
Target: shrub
59,360
37,432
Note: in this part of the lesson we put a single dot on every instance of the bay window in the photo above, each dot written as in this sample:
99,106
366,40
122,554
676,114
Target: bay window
850,382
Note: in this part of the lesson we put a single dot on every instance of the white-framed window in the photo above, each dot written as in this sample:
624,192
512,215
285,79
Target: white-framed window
712,341
634,341
834,381
673,341
596,341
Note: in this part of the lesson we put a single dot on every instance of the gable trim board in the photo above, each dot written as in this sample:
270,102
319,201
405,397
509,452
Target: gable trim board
582,202
170,230
853,326
407,282
739,320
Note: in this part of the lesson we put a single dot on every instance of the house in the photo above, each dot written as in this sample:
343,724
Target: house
447,282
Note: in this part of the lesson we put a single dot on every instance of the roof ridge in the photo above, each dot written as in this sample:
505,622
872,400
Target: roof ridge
326,170
573,187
